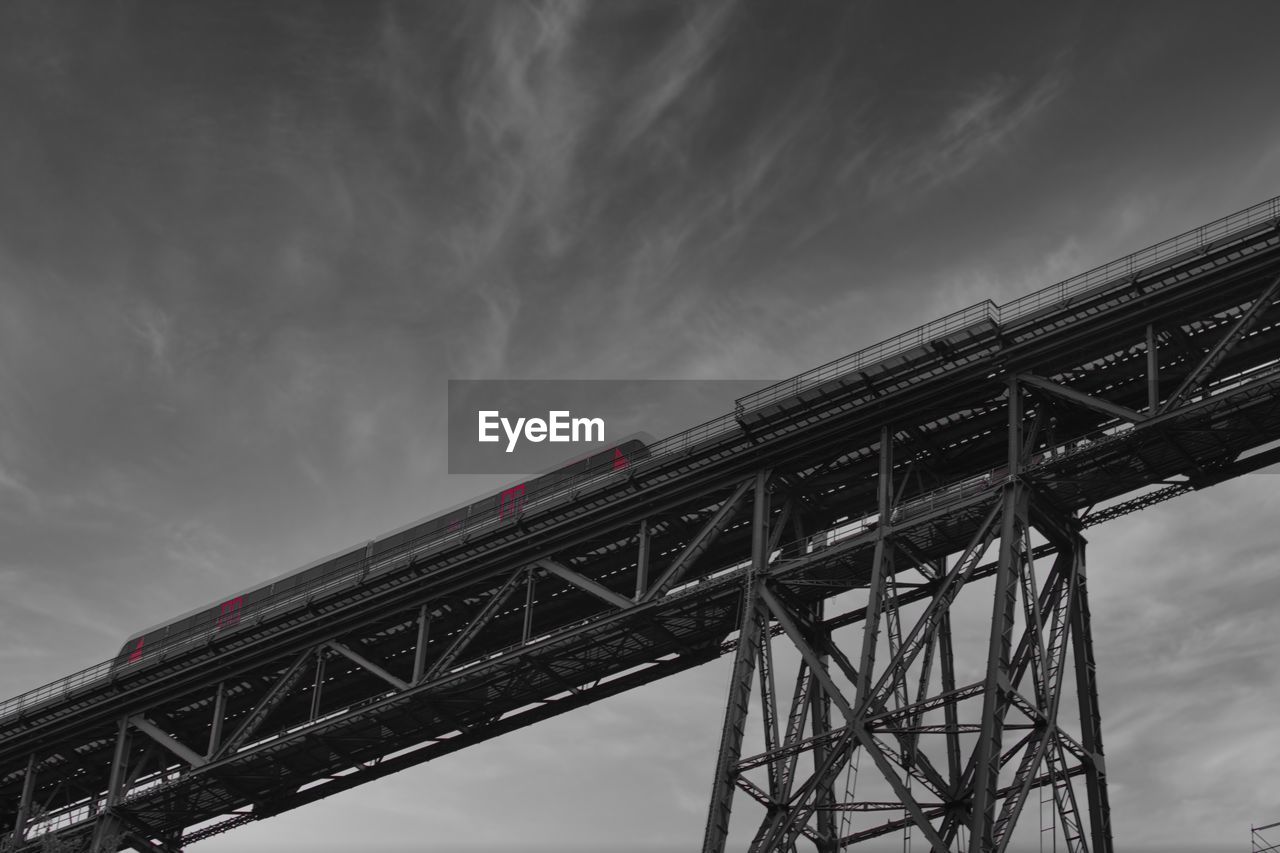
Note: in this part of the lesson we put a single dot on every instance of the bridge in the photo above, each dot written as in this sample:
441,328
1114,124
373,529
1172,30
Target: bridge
821,534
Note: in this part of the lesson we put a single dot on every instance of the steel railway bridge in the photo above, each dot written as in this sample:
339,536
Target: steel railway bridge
962,458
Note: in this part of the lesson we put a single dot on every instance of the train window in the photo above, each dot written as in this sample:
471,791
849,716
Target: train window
136,654
229,612
511,501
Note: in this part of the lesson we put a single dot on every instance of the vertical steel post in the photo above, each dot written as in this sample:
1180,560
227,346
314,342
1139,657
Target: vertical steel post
951,715
530,584
420,648
753,617
820,722
876,585
642,560
1004,607
1153,371
24,804
769,710
317,687
219,715
1090,718
106,832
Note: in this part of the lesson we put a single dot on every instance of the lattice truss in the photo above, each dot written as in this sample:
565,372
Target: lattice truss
884,740
894,559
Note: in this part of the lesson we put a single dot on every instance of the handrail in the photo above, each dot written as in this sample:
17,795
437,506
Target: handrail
1003,315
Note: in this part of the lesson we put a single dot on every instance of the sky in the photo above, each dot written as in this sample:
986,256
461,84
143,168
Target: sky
243,247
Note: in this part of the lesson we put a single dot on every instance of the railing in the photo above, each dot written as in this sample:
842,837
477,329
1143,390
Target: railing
1003,315
684,442
866,357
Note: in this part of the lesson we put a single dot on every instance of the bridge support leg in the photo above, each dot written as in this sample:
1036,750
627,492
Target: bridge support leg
109,829
25,803
1095,776
744,665
950,765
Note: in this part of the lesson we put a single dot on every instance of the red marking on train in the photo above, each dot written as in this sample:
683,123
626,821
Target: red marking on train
136,654
619,461
230,614
511,501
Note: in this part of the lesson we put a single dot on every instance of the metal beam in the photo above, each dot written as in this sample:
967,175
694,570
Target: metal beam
999,649
24,801
1153,371
1081,399
754,616
420,647
166,740
701,541
317,686
273,697
1090,717
642,560
1243,325
106,829
526,627
219,717
467,634
586,584
364,663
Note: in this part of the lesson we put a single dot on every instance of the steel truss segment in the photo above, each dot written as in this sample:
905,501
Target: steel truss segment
753,621
1048,613
699,543
1242,326
923,630
268,703
477,624
151,730
1080,398
853,735
1090,717
768,710
586,584
367,665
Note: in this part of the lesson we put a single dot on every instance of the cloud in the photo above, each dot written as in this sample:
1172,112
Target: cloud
525,111
672,70
978,124
154,328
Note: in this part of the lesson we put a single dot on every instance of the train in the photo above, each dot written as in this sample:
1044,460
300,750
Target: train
291,590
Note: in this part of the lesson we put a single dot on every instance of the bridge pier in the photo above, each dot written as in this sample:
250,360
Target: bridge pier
956,763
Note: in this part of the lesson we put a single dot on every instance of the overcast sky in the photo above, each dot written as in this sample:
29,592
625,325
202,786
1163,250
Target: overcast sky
244,245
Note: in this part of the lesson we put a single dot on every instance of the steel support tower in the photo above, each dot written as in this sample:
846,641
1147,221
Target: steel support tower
901,529
896,700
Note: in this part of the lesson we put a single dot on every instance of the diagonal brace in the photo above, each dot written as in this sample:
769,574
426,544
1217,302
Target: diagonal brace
467,634
1215,356
586,584
703,540
1081,399
364,663
266,705
166,740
